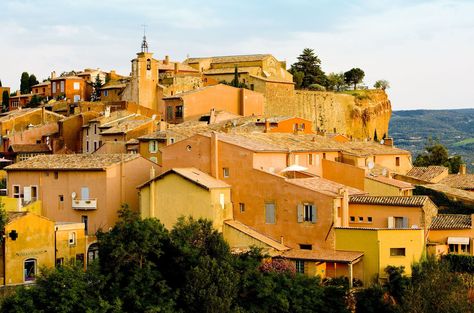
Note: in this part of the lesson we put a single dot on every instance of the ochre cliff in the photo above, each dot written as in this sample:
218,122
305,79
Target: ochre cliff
359,115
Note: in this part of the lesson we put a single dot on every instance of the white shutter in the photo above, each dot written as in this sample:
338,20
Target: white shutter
27,193
391,222
300,213
314,214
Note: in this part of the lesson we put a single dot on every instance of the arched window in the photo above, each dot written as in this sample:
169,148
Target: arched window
29,270
148,64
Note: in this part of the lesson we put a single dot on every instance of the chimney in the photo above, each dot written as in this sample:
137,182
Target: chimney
53,74
388,141
267,126
344,206
176,67
462,169
214,155
167,60
18,92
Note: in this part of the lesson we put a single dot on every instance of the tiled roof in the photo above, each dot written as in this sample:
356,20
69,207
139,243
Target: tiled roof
230,70
255,234
427,173
465,181
171,66
47,83
230,58
194,175
451,221
66,77
71,162
116,115
113,86
14,215
30,148
324,186
126,126
362,148
328,255
459,194
392,182
412,201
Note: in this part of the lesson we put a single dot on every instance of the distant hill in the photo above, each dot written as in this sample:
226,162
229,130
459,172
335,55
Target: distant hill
454,128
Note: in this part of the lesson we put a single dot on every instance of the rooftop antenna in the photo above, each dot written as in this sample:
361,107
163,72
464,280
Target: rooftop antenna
144,43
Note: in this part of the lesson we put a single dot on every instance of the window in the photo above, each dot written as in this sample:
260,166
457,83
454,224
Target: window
62,86
72,238
154,159
171,141
361,219
397,251
95,145
87,131
29,270
85,220
87,146
306,246
453,248
324,155
397,161
16,191
270,213
307,213
54,87
153,146
61,198
225,172
59,262
34,193
95,128
302,126
300,266
369,219
252,86
77,86
148,64
242,207
169,113
179,111
353,219
56,175
106,93
397,222
310,159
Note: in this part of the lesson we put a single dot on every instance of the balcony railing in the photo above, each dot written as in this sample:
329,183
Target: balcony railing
84,204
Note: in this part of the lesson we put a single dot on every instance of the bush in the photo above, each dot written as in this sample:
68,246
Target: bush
460,263
316,87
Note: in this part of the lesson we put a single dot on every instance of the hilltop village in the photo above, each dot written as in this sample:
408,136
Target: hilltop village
227,138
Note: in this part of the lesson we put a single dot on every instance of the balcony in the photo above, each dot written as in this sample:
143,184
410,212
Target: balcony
84,204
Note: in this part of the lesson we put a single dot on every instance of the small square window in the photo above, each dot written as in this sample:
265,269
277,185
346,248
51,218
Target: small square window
369,219
300,266
61,198
225,172
361,219
397,252
56,175
306,247
353,219
242,207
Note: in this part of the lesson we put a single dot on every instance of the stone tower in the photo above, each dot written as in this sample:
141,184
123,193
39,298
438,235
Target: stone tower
144,80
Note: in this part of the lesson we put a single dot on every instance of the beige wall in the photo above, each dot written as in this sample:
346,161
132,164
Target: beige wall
376,188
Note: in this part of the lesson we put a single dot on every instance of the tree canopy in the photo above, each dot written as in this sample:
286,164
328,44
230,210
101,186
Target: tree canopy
437,154
354,76
307,70
382,84
26,82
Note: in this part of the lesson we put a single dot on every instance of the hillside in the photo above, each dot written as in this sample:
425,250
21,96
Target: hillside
454,128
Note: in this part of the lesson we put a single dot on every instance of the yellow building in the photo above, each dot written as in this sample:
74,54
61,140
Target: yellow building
451,233
32,241
382,247
186,192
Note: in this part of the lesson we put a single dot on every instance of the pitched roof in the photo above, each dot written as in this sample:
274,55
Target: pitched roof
126,126
256,235
325,186
182,67
339,256
71,162
458,194
193,175
114,116
66,77
46,83
390,181
465,181
14,215
427,173
451,221
29,148
411,201
230,58
113,86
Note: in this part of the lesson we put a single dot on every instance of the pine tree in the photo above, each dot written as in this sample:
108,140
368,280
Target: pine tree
310,65
24,83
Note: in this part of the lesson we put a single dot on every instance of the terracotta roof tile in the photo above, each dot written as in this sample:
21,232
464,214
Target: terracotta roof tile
126,126
451,221
459,194
324,186
194,175
328,255
30,148
413,201
71,162
392,182
465,181
427,173
255,234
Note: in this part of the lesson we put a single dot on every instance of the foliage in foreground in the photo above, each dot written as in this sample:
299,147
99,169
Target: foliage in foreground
145,268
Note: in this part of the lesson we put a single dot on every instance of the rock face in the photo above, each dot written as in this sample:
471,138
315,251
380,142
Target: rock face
361,115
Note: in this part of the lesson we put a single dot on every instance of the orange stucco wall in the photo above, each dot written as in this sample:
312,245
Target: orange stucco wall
345,174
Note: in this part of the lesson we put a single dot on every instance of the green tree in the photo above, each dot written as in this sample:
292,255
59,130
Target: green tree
437,154
336,81
298,79
31,82
354,76
96,86
5,101
382,84
35,101
131,256
310,65
25,83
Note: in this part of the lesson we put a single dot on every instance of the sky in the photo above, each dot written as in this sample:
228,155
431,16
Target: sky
425,49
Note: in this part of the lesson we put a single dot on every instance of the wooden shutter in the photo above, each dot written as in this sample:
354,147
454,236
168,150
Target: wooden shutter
405,222
391,222
300,213
314,214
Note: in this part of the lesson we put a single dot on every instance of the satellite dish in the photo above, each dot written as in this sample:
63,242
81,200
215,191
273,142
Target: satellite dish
73,195
370,165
